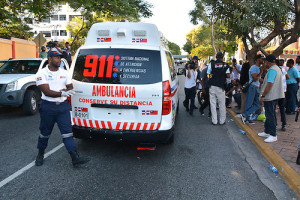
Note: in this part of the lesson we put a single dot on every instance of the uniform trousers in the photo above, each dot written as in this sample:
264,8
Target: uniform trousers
51,113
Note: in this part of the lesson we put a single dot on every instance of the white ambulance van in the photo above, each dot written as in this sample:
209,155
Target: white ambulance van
125,84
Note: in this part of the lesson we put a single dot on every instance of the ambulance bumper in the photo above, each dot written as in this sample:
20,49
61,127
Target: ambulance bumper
154,136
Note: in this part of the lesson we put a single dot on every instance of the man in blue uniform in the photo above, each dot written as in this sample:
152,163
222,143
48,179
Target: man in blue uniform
56,86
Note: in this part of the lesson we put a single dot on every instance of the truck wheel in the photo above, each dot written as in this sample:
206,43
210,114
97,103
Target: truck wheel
30,104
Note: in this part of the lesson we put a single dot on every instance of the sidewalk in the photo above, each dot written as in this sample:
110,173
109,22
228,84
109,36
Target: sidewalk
282,153
286,145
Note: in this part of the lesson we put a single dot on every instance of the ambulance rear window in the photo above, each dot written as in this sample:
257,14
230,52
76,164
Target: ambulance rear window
118,66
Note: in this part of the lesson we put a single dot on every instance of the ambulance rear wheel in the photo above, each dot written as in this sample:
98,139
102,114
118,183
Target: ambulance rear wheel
30,104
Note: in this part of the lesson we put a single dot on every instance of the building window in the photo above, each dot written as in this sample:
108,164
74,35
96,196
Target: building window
46,34
63,33
55,33
62,17
46,20
54,17
73,16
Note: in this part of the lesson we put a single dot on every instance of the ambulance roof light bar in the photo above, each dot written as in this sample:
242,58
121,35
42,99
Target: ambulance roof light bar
103,33
139,33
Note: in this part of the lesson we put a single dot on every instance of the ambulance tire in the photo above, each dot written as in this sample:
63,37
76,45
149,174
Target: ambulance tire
177,111
30,103
171,139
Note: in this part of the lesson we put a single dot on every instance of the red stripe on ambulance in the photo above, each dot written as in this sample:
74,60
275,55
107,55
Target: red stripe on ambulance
109,125
145,126
131,126
84,122
138,126
125,125
79,122
91,123
97,124
118,126
103,124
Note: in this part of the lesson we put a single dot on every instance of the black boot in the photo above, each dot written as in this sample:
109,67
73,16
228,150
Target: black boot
40,158
298,158
76,160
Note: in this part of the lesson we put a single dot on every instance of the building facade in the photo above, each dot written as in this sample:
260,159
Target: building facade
54,26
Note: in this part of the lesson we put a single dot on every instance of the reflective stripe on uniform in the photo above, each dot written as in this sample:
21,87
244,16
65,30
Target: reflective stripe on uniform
67,135
42,136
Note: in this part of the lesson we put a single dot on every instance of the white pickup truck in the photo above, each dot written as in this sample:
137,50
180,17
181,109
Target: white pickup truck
17,83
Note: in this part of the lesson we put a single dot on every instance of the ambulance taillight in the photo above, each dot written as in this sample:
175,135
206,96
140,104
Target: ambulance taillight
167,105
69,101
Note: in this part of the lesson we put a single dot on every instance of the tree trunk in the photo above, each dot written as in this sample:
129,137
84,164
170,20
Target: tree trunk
213,37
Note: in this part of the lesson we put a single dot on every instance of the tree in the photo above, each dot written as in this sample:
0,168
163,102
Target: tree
256,22
14,13
201,36
174,48
203,51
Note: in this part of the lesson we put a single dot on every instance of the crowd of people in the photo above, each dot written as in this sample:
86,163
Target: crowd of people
256,89
54,46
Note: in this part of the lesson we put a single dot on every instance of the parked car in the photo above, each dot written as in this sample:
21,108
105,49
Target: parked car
2,62
17,83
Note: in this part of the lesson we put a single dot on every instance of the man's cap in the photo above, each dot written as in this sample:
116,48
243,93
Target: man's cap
271,58
196,58
54,53
258,56
43,47
219,55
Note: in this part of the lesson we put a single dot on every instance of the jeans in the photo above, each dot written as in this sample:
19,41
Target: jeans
252,101
190,94
281,104
291,97
270,123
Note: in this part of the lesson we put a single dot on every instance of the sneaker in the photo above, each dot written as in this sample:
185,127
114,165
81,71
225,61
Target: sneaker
229,106
263,134
243,119
201,112
283,128
271,139
250,122
238,116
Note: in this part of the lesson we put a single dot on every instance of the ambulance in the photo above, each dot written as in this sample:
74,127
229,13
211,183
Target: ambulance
126,86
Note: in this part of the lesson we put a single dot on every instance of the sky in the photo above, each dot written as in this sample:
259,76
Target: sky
172,19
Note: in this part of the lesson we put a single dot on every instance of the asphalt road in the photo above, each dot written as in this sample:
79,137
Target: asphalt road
205,162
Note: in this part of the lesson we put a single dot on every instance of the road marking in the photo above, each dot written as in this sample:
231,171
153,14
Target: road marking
24,169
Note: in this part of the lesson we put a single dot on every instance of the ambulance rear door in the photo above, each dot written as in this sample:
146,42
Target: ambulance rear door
118,89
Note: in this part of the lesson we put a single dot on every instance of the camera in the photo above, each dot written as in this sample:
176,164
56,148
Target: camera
191,63
51,44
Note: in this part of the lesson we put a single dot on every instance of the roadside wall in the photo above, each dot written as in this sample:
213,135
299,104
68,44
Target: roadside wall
17,48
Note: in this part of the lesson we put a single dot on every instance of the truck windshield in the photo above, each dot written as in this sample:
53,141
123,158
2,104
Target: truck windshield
20,67
118,66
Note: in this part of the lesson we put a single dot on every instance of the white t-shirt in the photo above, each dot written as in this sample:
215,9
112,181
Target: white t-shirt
284,72
190,82
56,81
230,79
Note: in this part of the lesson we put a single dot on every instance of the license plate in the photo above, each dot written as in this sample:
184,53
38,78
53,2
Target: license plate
83,115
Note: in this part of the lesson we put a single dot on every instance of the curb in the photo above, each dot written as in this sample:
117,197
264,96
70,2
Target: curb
291,177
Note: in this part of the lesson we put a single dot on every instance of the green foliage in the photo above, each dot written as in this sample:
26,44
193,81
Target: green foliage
202,37
13,13
188,46
203,51
256,22
174,48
